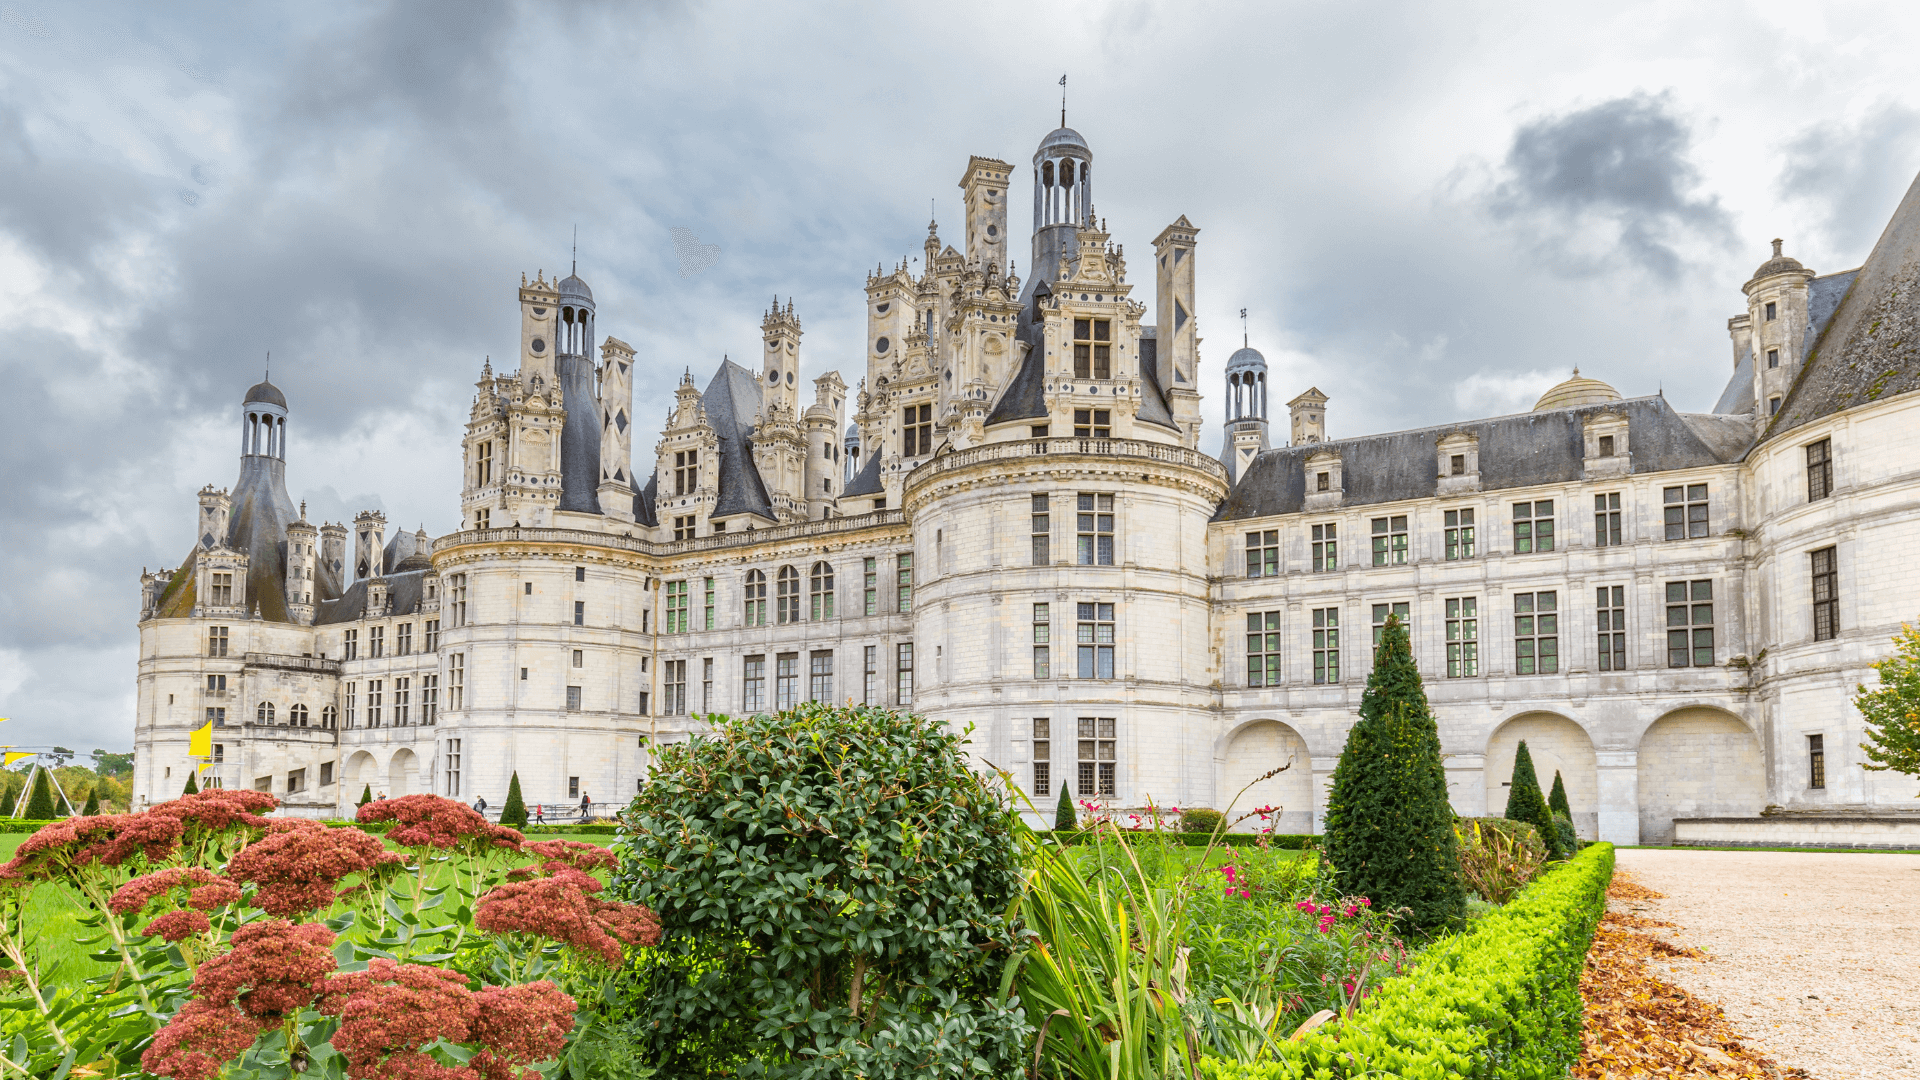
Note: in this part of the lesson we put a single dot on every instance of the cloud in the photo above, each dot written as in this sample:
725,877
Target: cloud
1606,184
1484,394
1853,175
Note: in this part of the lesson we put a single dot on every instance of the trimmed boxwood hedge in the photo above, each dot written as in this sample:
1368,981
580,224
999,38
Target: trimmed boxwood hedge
10,825
1502,999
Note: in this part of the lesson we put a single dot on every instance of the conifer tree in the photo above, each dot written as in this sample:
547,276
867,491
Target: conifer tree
514,814
1064,819
1389,826
40,805
92,809
10,796
1557,802
1525,803
193,786
366,795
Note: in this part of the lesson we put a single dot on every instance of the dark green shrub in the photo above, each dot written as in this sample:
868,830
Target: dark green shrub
92,809
1557,800
40,804
1563,832
1525,803
366,795
514,814
1200,819
832,885
193,786
1063,816
1389,826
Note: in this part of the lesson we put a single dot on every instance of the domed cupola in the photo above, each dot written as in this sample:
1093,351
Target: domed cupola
576,317
1246,385
1576,392
1779,264
267,392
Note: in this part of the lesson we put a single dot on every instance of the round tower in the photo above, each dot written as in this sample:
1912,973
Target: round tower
1778,318
302,560
850,447
1246,410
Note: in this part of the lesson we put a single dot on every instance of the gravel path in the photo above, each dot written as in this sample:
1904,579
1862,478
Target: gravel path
1815,957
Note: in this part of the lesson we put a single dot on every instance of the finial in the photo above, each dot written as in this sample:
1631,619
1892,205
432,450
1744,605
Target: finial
1063,100
1243,329
303,509
1776,247
1576,371
576,251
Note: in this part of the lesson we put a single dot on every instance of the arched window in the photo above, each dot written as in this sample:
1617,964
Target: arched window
789,595
329,717
822,593
264,713
297,716
756,598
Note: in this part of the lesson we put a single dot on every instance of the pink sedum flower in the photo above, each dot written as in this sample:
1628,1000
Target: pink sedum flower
198,1041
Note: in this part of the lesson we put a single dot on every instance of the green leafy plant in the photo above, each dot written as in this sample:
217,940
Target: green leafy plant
1064,818
1892,711
1525,803
514,814
1389,827
1199,819
1557,800
1498,857
838,892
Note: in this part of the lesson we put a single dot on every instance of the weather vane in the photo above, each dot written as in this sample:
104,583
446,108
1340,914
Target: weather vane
1243,328
1063,100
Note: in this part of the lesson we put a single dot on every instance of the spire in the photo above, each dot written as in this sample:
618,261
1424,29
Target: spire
1244,343
267,376
1063,100
576,252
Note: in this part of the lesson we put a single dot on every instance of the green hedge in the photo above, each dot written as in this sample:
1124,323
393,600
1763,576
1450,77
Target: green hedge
1502,999
20,825
591,828
1283,841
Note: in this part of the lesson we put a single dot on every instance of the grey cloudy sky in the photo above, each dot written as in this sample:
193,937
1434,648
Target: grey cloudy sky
1431,211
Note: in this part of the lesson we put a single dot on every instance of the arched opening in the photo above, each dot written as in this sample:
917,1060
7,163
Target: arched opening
360,771
1698,762
280,438
264,713
1556,744
400,772
329,717
1256,749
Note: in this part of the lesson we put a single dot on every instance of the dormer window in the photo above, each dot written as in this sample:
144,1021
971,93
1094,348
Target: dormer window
686,471
1323,481
1457,465
1773,357
1092,349
1606,446
1092,423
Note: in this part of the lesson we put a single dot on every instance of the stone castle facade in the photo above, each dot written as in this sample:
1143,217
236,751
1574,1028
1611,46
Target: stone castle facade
1016,529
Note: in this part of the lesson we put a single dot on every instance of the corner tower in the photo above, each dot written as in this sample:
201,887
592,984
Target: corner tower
985,188
1777,324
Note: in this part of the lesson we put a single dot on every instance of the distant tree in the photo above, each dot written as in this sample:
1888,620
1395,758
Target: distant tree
1525,803
112,764
1557,801
193,786
9,795
92,809
60,755
1064,819
1892,712
40,804
366,795
1389,829
514,813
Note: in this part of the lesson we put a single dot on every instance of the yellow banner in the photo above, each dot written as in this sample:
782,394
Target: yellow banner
16,755
200,743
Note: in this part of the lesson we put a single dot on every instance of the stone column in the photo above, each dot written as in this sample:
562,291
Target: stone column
1619,774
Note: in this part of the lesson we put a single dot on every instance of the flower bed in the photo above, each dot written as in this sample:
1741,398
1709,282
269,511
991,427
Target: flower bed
1282,841
1502,999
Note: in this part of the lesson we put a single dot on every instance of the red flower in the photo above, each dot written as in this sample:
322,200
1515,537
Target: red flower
431,821
275,969
520,1025
558,909
296,869
135,895
575,854
389,1011
219,809
199,1040
178,925
109,839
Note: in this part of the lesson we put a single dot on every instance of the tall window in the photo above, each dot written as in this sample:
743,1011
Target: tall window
673,677
263,714
677,598
375,690
216,683
1689,624
903,582
1263,648
1095,640
1533,526
903,673
1772,310
1096,754
1325,552
1606,520
1042,641
706,685
1042,530
916,431
329,717
820,677
376,642
708,621
453,767
753,684
580,613
1536,633
1816,761
459,605
1092,423
222,590
1459,534
1819,469
574,704
351,688
402,691
1263,553
686,526
429,699
1042,756
350,645
1380,614
1326,645
1610,618
1092,349
403,639
1686,510
686,471
1390,540
820,592
456,681
870,675
483,464
432,637
218,717
1826,594
1463,637
786,681
1094,526
217,641
756,598
870,585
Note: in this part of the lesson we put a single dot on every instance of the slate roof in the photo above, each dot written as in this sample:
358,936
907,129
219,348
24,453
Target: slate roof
643,501
1153,399
258,526
579,435
1516,451
1024,397
1870,347
731,401
867,481
403,598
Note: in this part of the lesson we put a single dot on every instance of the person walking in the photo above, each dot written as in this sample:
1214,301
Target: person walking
586,805
539,813
480,804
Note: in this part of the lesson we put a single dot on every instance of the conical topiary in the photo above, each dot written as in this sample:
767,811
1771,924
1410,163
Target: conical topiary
514,813
1064,819
10,796
1525,803
1389,826
92,809
193,786
366,795
1557,801
40,804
